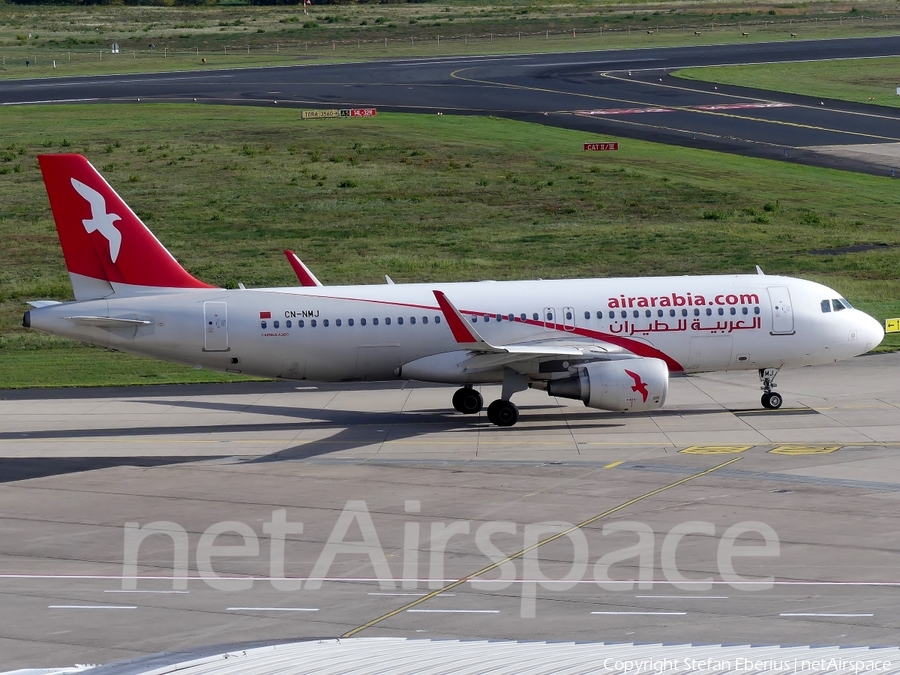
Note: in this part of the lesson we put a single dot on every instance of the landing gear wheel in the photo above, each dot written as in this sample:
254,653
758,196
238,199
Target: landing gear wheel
771,400
503,413
467,401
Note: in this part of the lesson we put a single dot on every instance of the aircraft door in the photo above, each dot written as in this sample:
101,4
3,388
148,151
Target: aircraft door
215,315
782,314
549,318
568,316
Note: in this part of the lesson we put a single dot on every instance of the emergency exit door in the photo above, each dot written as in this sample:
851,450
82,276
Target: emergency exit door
215,315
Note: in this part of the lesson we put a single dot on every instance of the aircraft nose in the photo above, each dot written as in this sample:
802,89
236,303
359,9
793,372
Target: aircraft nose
874,332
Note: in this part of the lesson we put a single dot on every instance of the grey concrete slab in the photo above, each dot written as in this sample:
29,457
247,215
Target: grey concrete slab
822,476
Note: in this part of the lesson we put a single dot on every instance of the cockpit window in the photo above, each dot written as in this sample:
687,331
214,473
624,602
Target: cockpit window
838,306
846,304
826,306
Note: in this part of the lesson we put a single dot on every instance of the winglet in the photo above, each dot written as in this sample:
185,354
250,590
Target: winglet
306,277
462,330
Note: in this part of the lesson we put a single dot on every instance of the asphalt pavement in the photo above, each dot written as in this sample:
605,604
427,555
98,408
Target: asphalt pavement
626,93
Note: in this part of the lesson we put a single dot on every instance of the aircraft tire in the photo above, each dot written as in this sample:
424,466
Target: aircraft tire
503,413
467,401
775,401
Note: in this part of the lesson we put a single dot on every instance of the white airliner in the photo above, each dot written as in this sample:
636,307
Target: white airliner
612,343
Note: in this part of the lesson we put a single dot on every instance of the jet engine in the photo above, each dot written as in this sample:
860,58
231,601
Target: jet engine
631,385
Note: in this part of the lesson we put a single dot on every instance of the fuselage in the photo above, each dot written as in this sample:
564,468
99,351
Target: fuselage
337,333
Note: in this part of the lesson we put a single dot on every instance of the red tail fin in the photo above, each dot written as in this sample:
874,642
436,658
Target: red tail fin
106,246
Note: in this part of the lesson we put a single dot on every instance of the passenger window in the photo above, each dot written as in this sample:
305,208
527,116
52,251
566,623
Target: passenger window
834,303
375,321
424,319
523,317
387,321
362,322
400,320
549,316
511,317
721,311
671,312
536,317
568,316
733,311
300,323
412,320
612,314
708,312
337,322
474,319
325,323
684,312
275,324
659,312
696,312
636,314
262,324
744,310
312,323
349,322
587,315
624,314
437,319
756,310
288,324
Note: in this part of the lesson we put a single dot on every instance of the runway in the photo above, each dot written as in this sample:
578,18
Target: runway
619,92
420,490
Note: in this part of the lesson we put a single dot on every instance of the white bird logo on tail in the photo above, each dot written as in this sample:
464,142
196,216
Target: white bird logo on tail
100,220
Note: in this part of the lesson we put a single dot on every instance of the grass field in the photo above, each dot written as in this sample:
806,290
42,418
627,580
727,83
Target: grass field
420,198
78,39
873,81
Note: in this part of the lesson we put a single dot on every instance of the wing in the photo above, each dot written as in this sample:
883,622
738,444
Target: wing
305,277
486,356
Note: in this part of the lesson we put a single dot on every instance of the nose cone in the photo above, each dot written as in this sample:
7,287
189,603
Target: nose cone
872,330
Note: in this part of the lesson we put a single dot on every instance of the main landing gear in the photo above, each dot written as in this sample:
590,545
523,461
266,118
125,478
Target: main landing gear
770,399
501,412
467,400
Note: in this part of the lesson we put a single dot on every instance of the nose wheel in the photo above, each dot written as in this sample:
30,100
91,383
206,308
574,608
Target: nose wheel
467,401
770,400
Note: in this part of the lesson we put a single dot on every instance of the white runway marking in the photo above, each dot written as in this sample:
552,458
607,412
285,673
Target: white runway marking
272,609
642,613
685,597
91,607
454,611
416,595
820,614
157,592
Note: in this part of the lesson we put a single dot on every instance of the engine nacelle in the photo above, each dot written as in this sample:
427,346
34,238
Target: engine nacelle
631,385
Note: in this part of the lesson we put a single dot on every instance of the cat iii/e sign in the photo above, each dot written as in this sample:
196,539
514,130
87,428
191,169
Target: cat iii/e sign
601,146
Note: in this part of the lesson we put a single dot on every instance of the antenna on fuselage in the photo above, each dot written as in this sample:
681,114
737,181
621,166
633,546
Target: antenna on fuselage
759,271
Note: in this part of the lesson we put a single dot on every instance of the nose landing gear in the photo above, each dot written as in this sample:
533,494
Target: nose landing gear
770,399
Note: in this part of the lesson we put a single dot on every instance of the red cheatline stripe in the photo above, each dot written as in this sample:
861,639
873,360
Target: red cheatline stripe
634,346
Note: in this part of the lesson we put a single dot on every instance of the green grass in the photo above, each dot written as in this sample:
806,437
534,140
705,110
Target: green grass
873,81
78,38
425,197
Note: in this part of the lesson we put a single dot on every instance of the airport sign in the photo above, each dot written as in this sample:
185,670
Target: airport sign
600,146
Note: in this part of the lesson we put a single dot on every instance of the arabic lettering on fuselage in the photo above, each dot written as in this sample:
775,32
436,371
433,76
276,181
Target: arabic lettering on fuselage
627,327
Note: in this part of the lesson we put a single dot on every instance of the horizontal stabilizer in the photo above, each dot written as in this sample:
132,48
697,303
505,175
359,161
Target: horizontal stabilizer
37,304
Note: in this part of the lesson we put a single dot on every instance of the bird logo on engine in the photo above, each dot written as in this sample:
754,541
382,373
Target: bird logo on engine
639,385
